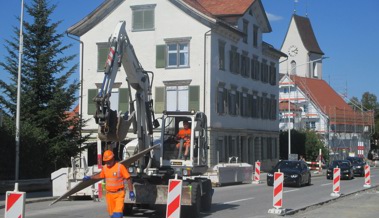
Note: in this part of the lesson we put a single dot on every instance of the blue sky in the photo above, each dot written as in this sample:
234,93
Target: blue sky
347,32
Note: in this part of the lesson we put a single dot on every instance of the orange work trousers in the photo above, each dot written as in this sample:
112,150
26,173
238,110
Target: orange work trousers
115,203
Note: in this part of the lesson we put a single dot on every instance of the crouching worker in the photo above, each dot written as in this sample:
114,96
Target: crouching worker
114,174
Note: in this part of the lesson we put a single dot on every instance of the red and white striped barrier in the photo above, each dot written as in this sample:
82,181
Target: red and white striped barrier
361,149
313,165
278,194
367,177
174,198
336,182
257,174
15,204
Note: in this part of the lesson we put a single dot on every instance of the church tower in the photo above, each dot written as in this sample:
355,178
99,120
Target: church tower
304,53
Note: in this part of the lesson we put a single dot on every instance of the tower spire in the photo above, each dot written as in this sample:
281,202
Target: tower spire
294,6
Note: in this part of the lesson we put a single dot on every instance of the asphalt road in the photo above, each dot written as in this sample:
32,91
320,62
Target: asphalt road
243,201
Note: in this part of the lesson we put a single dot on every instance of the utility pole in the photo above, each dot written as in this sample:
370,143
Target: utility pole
19,93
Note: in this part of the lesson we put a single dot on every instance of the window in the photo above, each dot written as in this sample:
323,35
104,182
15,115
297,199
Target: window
305,108
221,150
255,107
293,67
244,103
255,36
310,125
221,98
316,68
245,64
272,74
143,17
234,62
264,71
273,107
232,101
119,100
245,30
221,55
255,68
177,98
178,54
102,54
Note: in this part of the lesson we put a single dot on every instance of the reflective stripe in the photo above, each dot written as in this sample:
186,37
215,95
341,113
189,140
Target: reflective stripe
113,178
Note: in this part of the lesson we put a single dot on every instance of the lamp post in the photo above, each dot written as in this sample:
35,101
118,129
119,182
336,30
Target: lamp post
289,102
19,93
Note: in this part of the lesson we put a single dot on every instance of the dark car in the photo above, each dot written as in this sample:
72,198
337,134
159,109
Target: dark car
358,165
295,173
346,169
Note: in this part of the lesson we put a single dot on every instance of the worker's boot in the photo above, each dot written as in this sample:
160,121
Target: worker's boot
117,215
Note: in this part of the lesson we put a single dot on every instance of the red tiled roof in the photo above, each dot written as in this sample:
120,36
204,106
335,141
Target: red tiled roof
73,113
225,7
330,102
283,106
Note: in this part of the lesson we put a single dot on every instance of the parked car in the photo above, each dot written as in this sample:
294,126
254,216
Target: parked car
346,169
295,173
358,165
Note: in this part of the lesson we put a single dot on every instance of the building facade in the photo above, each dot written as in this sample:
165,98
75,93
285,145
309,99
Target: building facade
314,105
205,55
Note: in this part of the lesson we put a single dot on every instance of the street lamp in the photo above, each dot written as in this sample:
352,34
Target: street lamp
19,92
289,102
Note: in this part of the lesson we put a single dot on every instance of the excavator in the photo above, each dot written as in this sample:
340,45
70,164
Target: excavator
155,155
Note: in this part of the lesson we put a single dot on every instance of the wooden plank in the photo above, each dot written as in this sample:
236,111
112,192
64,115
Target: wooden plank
84,184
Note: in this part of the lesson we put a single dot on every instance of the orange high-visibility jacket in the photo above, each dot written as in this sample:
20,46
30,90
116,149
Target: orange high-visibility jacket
114,177
184,134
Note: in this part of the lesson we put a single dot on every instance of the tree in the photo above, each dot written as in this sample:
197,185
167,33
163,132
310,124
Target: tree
48,138
313,144
369,101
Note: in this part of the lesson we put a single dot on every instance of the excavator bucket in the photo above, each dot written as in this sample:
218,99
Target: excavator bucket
118,127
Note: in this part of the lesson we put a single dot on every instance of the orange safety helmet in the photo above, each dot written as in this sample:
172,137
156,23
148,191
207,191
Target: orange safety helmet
108,155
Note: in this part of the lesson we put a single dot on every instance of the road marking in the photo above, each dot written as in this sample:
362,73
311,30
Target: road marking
325,184
293,190
230,202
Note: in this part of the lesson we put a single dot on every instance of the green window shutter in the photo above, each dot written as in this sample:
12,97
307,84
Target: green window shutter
194,98
160,56
102,55
91,104
137,20
123,100
159,99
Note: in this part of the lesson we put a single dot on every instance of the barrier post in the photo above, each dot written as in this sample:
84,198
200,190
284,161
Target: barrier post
278,194
336,182
367,177
257,174
15,203
174,198
320,162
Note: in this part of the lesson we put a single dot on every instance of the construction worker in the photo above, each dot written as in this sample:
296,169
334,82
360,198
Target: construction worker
114,174
184,134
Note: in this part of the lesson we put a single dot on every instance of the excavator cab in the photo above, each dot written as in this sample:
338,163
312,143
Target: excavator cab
186,154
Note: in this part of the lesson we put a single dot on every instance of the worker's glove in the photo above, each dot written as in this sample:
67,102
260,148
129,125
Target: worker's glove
132,196
86,178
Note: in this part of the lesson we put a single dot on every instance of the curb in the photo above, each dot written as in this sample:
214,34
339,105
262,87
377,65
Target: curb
35,200
292,212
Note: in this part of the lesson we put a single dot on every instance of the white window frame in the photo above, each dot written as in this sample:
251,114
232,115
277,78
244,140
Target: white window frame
180,50
177,98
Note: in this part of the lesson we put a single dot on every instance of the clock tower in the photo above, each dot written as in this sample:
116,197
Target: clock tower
304,53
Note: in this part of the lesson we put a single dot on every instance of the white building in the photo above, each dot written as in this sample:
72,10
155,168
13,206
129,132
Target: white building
314,104
206,55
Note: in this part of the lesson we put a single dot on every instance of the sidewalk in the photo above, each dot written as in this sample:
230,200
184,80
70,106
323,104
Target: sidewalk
363,204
